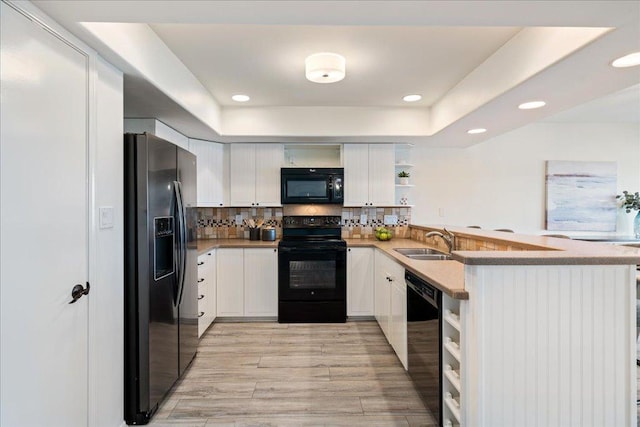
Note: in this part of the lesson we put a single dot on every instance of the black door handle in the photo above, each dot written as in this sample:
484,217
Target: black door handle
78,291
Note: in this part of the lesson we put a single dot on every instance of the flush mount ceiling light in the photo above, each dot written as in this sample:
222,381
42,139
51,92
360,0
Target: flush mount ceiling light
630,60
531,105
412,98
240,98
477,130
325,67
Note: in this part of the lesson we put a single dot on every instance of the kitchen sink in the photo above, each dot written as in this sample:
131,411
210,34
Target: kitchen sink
418,251
423,253
432,257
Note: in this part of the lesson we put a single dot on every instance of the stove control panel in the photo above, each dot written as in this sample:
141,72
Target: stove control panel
311,221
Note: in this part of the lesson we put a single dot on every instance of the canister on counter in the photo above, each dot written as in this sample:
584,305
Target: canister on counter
269,234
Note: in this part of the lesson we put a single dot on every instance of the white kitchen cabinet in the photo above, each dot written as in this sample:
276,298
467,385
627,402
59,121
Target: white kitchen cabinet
360,281
230,282
369,174
255,174
398,318
391,302
260,282
206,290
382,295
212,182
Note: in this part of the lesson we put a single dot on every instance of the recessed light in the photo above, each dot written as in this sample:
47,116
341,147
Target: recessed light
474,131
630,60
412,98
240,98
531,105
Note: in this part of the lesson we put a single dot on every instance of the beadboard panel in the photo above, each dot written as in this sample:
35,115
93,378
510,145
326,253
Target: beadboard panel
575,368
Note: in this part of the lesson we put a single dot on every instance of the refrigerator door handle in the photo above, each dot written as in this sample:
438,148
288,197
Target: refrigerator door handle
182,223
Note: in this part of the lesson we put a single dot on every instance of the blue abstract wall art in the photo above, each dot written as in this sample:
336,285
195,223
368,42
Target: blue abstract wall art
581,196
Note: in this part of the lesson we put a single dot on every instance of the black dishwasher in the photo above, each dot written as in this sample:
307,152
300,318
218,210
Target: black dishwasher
424,335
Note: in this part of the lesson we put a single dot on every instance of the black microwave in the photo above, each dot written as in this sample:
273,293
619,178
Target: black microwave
312,185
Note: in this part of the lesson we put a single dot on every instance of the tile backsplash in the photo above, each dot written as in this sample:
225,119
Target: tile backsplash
353,228
221,223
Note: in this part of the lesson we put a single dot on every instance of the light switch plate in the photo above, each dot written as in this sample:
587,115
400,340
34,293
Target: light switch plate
105,216
363,219
238,219
391,219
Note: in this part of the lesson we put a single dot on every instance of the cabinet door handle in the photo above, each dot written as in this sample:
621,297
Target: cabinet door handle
257,204
200,297
209,254
201,314
202,262
200,280
78,291
349,249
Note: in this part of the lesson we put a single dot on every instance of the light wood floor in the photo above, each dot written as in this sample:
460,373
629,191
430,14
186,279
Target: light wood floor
268,374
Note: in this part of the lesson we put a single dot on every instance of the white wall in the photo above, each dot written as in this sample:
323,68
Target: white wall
501,182
107,290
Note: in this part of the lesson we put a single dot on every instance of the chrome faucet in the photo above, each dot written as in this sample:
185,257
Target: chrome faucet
449,238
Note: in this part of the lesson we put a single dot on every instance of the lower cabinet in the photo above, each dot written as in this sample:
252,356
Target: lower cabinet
391,303
247,282
260,282
360,281
398,319
206,290
382,294
230,273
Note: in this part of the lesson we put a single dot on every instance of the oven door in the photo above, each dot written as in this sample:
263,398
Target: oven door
312,272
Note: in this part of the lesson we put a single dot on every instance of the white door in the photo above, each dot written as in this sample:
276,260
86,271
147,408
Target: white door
260,282
230,282
382,174
360,278
43,226
382,292
242,164
269,160
356,174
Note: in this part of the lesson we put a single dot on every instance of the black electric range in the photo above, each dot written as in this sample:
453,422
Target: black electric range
312,270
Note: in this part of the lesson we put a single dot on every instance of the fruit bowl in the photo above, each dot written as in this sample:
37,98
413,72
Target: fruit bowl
383,234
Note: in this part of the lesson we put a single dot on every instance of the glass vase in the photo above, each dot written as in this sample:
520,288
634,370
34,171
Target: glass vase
636,226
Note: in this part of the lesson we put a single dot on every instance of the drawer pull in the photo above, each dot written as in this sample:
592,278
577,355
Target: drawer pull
200,263
200,297
201,314
200,280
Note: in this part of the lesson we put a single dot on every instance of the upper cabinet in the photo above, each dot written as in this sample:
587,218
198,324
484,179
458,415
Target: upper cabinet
369,174
213,182
313,156
255,174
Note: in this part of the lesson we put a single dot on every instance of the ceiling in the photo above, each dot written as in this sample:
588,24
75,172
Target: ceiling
383,63
472,61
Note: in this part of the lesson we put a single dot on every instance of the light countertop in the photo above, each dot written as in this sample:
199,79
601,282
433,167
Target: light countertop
448,275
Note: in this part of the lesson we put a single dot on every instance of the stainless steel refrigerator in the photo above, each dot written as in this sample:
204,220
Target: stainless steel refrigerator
161,307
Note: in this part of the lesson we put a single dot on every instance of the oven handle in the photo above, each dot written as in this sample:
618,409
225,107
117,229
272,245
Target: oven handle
316,248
